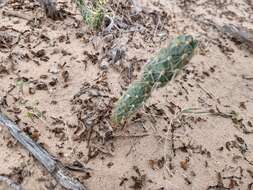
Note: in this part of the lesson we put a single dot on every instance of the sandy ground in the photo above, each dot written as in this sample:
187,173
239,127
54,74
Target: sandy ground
59,80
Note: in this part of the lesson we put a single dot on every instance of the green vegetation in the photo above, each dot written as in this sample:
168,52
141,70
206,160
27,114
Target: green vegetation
157,73
92,12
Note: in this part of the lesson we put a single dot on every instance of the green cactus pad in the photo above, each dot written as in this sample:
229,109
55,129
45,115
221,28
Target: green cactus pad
157,73
135,95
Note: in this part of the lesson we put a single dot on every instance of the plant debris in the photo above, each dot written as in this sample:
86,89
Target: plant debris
60,80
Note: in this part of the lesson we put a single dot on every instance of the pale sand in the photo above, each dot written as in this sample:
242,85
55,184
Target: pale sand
213,78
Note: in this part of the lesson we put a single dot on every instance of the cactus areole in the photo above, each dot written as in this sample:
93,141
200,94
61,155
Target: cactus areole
157,73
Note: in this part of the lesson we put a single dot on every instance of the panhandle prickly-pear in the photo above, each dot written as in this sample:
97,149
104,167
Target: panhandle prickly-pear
157,73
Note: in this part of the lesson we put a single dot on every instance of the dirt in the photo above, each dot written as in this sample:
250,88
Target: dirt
60,79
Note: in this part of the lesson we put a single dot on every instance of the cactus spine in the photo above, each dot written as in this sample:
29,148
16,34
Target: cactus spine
157,73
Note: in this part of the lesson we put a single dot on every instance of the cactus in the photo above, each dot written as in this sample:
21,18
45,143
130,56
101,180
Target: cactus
93,13
157,73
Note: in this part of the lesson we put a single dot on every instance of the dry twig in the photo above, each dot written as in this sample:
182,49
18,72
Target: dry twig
10,183
16,14
53,166
241,35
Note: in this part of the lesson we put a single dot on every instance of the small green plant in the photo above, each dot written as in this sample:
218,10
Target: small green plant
92,12
34,113
20,85
157,73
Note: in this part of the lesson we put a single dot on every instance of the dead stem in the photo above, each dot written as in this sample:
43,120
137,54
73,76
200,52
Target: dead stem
10,183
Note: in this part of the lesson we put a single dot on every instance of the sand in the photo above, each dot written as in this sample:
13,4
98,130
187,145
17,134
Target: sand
60,79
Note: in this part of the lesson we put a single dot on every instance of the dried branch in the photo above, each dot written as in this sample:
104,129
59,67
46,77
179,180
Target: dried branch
16,14
54,167
241,35
237,34
3,3
10,183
